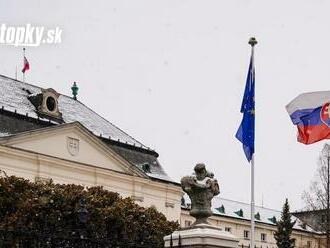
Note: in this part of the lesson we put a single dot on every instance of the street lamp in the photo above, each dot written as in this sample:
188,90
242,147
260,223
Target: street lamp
83,215
82,211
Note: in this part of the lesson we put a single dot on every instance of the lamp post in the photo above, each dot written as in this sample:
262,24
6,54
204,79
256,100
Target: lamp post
82,212
83,215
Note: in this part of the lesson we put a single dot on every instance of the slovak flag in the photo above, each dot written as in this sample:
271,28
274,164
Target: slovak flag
310,112
26,65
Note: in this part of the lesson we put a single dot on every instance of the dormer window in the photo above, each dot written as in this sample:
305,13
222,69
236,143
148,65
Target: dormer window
51,104
46,104
221,209
239,213
146,167
273,219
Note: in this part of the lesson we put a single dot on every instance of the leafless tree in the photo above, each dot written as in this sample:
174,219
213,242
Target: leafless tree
316,196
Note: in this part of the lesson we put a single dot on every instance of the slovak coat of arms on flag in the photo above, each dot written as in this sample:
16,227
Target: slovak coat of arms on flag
310,112
325,114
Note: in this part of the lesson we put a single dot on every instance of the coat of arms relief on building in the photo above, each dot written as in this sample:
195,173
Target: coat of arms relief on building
73,146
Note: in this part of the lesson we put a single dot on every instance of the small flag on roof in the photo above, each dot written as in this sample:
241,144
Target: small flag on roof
26,65
310,112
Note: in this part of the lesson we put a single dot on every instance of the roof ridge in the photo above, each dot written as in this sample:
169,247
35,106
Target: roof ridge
1,75
68,97
32,85
248,204
112,124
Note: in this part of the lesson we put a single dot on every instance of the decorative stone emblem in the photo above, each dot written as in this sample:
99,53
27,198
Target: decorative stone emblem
201,188
73,146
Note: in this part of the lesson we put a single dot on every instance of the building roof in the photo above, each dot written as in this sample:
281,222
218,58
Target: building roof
14,99
239,210
308,211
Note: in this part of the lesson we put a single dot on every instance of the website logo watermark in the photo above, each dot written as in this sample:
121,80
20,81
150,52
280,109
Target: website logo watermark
29,35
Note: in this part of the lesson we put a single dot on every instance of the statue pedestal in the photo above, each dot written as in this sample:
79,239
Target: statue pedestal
201,236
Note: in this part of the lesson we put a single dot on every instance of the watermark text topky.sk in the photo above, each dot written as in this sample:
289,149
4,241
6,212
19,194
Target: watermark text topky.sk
29,35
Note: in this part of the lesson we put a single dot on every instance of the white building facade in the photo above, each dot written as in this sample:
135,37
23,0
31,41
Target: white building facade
234,217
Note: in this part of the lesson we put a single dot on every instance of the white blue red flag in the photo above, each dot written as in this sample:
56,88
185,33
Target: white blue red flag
310,112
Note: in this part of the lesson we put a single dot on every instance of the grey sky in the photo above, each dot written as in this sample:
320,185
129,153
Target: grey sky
172,74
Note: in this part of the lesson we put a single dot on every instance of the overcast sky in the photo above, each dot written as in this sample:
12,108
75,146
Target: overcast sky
172,75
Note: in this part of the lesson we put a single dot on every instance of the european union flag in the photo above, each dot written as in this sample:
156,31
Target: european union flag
245,132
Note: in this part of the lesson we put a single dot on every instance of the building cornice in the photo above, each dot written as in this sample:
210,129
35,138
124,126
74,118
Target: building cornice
20,153
236,220
16,138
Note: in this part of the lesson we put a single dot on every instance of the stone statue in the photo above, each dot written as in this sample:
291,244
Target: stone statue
201,188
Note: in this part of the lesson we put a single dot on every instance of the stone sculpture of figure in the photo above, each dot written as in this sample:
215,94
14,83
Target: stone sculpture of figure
201,188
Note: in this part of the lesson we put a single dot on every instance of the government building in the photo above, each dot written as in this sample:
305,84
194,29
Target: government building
46,135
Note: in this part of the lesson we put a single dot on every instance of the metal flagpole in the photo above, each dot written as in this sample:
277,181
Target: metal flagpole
326,154
24,64
252,42
252,202
328,199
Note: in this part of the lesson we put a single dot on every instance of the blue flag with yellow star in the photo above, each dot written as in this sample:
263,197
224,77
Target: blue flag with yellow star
245,132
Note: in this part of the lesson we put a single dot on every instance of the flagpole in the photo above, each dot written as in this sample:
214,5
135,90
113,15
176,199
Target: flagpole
23,64
252,202
252,42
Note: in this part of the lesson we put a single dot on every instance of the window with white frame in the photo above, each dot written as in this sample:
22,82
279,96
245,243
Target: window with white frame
263,237
227,229
309,244
246,234
323,218
187,223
